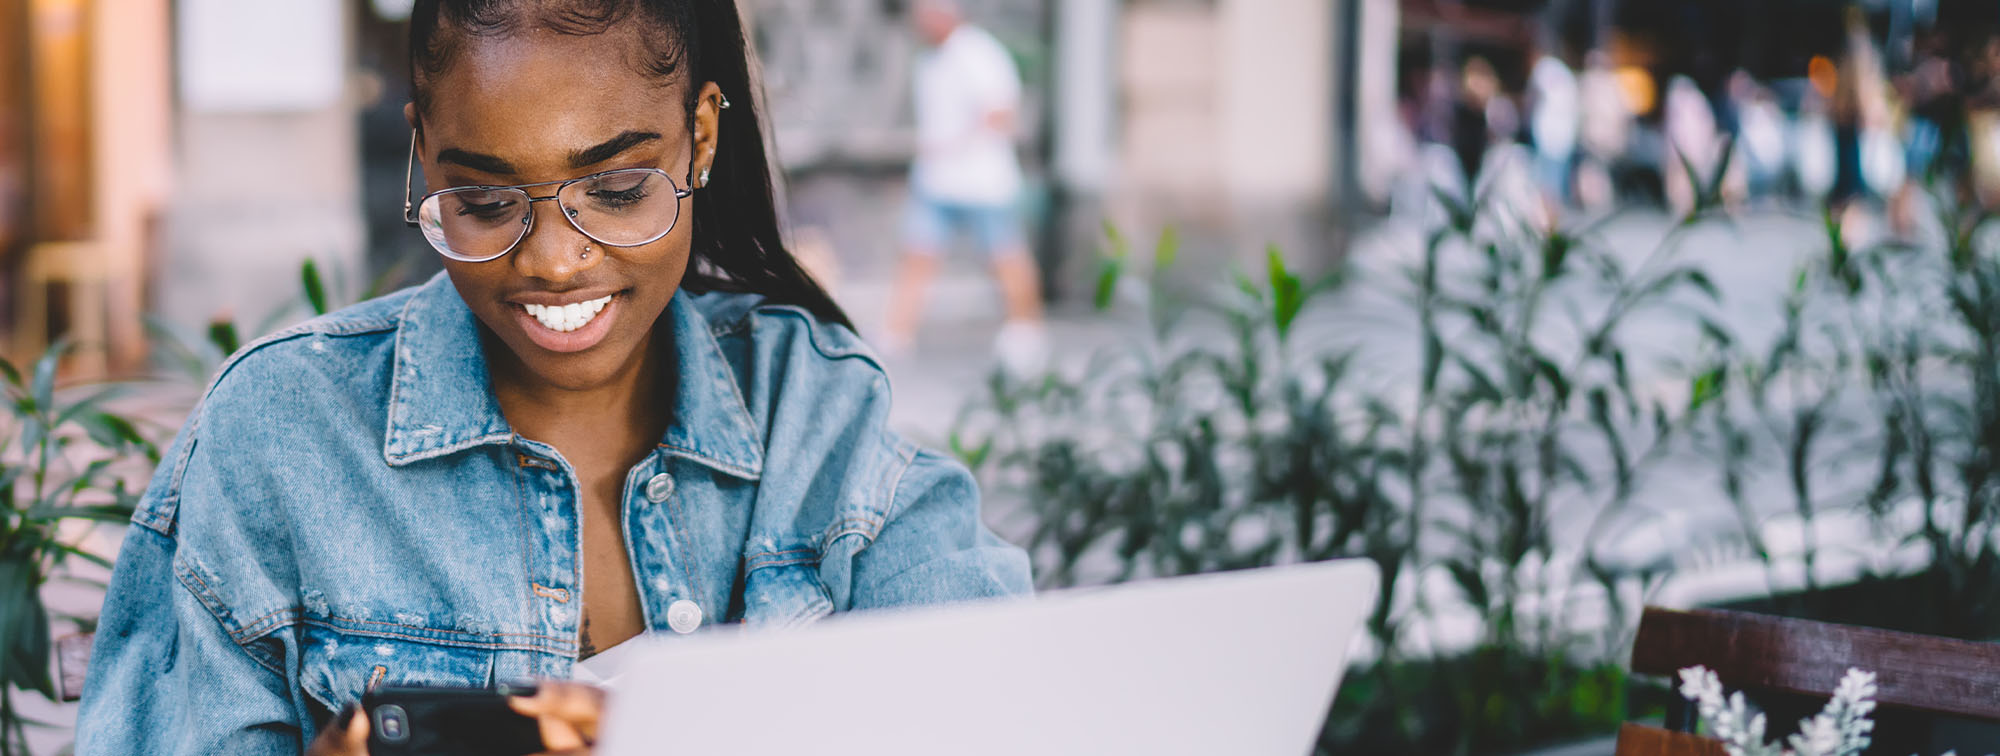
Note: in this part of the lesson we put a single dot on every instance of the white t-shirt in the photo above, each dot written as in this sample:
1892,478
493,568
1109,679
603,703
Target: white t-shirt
960,158
1557,113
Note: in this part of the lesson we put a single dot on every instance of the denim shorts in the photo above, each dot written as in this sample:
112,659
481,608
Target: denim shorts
930,225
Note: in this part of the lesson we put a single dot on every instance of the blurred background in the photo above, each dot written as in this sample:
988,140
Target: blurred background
179,160
1552,308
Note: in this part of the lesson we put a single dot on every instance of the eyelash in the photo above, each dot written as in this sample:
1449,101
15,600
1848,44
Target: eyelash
621,197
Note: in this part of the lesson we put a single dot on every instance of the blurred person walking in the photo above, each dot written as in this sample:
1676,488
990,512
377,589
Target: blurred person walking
1606,130
1982,122
1481,115
1868,160
1553,122
1760,134
1692,144
1928,92
966,180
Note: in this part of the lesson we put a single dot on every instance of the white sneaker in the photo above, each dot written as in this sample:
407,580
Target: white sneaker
1022,348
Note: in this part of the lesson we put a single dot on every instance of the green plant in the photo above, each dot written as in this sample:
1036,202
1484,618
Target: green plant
1888,360
1236,431
66,456
194,357
59,462
1528,414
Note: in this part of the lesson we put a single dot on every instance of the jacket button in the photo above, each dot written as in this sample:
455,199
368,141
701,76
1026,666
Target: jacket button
684,616
660,488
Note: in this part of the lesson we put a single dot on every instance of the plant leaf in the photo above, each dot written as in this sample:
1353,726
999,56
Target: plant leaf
1109,270
1167,250
222,333
1707,387
1286,291
315,288
44,388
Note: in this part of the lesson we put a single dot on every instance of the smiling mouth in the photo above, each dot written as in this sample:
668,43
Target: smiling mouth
569,317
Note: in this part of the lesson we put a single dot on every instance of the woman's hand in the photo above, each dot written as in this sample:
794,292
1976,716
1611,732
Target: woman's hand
567,712
345,735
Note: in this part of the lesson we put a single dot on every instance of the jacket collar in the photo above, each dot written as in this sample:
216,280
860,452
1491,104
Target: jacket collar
441,395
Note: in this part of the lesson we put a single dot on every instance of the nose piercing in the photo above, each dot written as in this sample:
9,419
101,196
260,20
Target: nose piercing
586,253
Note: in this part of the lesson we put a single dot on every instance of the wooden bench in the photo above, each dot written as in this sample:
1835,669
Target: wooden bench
1789,668
72,659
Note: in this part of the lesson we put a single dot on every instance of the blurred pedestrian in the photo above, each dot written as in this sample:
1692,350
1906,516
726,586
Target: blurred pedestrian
1982,122
1760,135
1929,92
966,181
1692,148
1607,115
1553,121
1814,150
1481,115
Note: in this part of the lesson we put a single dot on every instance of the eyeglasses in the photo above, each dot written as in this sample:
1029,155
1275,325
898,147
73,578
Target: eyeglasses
628,207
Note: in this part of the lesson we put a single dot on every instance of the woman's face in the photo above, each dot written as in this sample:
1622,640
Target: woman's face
538,106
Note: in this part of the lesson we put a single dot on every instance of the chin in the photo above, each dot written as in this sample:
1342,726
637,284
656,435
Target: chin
584,352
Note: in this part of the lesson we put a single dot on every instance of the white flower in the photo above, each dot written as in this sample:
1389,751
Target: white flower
1841,729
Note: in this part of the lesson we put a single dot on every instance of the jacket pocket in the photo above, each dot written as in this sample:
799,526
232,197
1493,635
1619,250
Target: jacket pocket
336,668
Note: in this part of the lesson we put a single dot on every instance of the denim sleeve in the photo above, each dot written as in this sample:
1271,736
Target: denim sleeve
165,678
933,548
168,673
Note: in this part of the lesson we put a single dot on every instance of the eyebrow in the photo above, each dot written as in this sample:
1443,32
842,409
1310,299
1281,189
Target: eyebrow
577,158
610,148
477,161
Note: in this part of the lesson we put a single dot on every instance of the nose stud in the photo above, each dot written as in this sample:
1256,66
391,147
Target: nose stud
586,253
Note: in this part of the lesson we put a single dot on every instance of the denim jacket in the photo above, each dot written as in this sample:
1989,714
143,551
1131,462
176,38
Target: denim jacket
347,508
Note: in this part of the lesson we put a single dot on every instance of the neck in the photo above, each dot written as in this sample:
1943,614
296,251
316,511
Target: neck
633,406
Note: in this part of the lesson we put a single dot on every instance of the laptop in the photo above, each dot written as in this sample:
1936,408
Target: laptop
1241,663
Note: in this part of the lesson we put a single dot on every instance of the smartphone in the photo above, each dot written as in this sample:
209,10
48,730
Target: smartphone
449,722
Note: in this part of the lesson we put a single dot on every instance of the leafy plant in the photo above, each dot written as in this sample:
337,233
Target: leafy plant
59,462
66,456
194,357
1234,432
1841,729
1888,359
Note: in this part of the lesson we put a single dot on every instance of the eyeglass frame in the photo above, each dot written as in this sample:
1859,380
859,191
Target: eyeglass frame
411,202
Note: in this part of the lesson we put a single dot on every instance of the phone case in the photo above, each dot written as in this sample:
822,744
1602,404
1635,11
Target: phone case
448,722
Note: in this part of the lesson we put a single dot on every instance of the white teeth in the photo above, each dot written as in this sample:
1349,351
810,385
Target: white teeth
569,317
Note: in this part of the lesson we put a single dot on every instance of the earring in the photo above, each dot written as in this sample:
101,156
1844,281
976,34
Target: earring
704,178
725,102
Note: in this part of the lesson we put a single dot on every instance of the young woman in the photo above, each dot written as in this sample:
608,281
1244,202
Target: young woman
623,409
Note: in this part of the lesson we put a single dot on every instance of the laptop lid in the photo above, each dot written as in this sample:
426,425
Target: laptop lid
1239,663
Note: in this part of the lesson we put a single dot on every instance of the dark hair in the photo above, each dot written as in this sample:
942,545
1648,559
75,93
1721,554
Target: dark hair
737,242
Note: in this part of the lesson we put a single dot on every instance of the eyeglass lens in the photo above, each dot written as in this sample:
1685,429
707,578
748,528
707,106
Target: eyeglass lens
619,208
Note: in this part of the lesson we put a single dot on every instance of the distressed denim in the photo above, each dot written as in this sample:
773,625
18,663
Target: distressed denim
347,507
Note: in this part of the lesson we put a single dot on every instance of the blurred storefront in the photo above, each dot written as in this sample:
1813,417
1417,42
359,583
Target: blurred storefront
177,160
84,173
182,159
